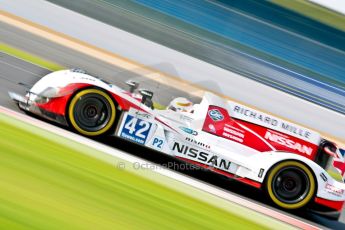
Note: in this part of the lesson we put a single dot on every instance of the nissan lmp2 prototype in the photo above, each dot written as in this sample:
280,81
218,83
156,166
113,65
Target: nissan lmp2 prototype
292,164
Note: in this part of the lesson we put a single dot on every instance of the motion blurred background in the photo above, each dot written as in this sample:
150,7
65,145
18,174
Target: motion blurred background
295,46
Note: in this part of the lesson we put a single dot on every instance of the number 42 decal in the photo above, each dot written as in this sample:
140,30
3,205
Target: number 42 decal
135,129
132,127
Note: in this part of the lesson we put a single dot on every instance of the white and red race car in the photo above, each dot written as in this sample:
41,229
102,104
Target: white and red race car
294,165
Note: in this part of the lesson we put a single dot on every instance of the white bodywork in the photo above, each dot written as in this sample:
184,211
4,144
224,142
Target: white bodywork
176,133
244,161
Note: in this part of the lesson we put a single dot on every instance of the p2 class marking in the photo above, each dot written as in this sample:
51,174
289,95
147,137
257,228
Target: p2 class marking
158,143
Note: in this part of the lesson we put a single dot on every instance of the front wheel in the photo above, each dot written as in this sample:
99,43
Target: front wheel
91,112
290,185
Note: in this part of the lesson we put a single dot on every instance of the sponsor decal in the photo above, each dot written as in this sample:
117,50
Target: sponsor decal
185,118
266,120
143,115
261,172
293,129
135,129
215,115
289,143
323,176
189,131
334,190
232,137
197,142
201,156
158,143
233,130
87,78
233,133
255,115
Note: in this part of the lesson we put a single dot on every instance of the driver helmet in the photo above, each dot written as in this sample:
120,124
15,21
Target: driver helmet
181,104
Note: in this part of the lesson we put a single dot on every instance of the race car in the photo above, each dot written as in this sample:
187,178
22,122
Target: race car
294,165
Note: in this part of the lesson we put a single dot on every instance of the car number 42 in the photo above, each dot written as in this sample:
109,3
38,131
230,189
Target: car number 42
134,123
135,129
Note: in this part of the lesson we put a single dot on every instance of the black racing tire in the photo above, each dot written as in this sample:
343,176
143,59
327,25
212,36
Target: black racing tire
91,112
290,185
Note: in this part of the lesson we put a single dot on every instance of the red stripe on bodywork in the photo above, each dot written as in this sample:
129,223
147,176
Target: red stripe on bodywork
125,104
57,105
157,119
336,205
227,174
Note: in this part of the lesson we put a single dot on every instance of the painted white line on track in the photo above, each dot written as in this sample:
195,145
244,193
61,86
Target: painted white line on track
163,171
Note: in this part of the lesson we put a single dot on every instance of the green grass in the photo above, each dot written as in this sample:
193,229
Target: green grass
314,11
29,57
50,182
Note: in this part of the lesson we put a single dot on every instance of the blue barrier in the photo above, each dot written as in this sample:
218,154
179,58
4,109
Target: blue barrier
305,42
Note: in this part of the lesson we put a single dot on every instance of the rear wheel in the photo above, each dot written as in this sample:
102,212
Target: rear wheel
290,185
91,112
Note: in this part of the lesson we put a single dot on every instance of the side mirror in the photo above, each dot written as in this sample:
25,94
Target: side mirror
146,97
133,85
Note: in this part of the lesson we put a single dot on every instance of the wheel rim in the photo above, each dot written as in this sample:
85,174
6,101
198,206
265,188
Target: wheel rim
92,112
291,185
